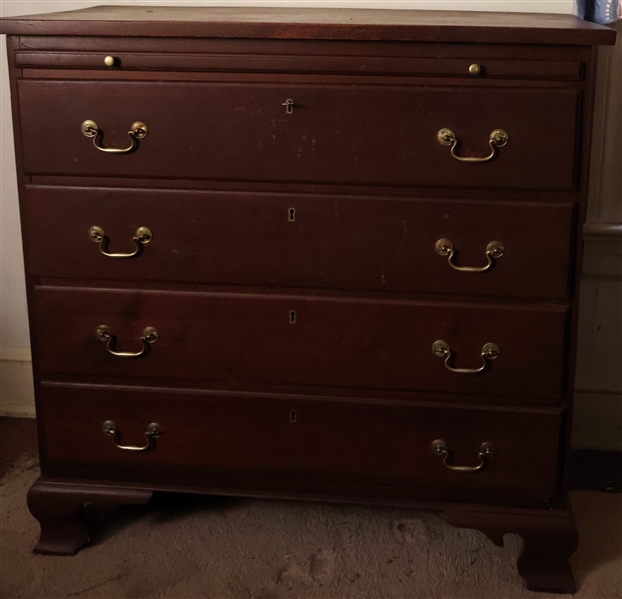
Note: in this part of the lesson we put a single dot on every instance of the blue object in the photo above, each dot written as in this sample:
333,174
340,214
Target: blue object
599,11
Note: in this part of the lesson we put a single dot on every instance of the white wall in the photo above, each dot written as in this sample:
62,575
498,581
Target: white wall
599,403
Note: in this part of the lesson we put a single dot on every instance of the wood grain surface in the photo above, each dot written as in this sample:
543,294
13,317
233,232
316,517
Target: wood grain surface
292,275
428,26
283,240
336,341
300,438
241,132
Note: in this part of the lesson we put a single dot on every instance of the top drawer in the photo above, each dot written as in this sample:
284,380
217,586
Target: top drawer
261,58
333,134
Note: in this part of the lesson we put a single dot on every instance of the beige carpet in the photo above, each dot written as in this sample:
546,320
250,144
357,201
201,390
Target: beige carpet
190,547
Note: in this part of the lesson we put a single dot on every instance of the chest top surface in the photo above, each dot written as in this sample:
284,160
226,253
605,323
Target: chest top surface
314,23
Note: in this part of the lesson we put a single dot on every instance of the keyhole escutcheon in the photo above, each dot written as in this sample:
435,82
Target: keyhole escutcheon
292,317
291,215
293,417
289,106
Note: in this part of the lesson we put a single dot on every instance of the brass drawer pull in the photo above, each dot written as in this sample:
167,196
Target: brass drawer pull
150,335
490,351
494,250
143,236
137,131
153,432
498,139
486,450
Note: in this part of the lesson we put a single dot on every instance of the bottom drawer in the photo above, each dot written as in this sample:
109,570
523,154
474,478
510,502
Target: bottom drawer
296,438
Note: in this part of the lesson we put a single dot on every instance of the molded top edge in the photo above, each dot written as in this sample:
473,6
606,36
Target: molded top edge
314,23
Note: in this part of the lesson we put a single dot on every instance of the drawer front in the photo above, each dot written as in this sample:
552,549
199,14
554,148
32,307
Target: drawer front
298,437
340,342
126,63
337,134
280,240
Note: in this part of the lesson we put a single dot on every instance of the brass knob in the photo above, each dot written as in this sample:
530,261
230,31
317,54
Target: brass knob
475,70
109,61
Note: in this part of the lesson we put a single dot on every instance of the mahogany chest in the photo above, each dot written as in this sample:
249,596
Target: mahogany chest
306,254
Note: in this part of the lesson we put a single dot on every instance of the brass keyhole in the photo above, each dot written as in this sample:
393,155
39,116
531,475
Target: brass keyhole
292,317
292,215
293,417
289,106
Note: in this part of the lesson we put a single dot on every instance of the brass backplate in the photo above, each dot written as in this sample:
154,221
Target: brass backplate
139,129
89,128
440,348
499,137
491,351
439,447
103,332
446,137
97,234
144,234
150,335
495,249
154,430
443,247
109,427
487,448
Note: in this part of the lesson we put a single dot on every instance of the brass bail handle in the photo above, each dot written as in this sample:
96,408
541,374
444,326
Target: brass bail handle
137,131
490,351
143,236
149,336
153,432
486,450
494,250
498,139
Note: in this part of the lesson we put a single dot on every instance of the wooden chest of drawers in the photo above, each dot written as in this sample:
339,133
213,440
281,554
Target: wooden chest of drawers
306,254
